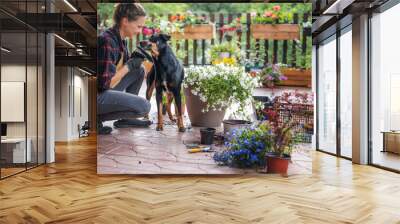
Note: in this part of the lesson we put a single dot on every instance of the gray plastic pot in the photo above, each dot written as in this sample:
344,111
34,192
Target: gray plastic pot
194,107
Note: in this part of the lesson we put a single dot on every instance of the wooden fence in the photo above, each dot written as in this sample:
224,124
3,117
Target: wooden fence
291,52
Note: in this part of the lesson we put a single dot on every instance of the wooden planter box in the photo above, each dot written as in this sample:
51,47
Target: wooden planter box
196,32
275,31
296,77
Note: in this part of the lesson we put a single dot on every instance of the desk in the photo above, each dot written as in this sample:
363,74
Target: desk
13,150
391,141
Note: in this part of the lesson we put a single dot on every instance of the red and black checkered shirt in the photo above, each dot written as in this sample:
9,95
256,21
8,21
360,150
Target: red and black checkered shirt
110,47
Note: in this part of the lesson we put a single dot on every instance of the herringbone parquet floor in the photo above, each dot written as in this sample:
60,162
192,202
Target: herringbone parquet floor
70,191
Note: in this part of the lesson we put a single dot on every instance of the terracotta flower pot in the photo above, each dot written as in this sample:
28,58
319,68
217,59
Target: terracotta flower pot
194,107
277,164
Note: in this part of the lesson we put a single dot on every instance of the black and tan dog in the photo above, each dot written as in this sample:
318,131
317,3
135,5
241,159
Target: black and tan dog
166,76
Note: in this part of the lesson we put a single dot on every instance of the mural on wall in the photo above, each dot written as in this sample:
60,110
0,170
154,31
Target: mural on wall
204,88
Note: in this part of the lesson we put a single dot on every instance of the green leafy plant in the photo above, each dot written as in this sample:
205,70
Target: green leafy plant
220,86
284,136
188,18
228,47
271,75
272,15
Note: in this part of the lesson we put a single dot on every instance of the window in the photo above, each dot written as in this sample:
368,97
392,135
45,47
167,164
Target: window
346,93
385,89
327,96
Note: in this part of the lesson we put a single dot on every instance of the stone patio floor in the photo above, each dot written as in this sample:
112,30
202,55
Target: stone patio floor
147,151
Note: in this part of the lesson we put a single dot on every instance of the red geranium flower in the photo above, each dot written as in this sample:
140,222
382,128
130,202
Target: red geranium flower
173,18
276,8
268,13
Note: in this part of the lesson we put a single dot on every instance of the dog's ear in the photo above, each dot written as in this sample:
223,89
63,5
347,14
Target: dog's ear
165,37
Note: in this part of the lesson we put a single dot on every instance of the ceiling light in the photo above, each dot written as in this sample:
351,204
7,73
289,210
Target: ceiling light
5,50
86,72
64,40
337,7
70,5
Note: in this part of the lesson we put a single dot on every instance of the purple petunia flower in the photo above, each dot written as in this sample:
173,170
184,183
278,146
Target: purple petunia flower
283,78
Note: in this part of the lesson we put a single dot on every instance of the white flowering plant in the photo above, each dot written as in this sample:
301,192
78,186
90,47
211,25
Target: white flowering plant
220,86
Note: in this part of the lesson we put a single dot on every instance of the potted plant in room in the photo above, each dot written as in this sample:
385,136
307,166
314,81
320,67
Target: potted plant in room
192,26
246,148
271,75
209,90
284,136
272,24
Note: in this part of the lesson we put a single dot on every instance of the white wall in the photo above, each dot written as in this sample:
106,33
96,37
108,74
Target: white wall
71,94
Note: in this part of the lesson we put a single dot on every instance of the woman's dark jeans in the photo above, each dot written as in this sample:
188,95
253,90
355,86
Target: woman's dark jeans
123,102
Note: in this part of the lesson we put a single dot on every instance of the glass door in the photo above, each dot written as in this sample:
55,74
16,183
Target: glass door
22,101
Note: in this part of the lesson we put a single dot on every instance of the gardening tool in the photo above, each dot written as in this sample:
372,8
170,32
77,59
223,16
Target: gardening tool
201,149
191,145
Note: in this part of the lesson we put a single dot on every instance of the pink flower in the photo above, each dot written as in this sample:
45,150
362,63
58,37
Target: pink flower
268,13
253,14
147,31
276,8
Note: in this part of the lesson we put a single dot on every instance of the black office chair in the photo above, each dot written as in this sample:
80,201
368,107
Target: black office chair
84,130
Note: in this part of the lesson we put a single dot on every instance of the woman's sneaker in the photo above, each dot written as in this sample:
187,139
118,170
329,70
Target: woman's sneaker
103,130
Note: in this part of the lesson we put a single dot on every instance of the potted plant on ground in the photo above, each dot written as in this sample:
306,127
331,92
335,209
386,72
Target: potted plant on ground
246,148
272,24
282,127
209,90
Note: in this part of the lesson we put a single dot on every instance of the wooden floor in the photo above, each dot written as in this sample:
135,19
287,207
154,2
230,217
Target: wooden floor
70,191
